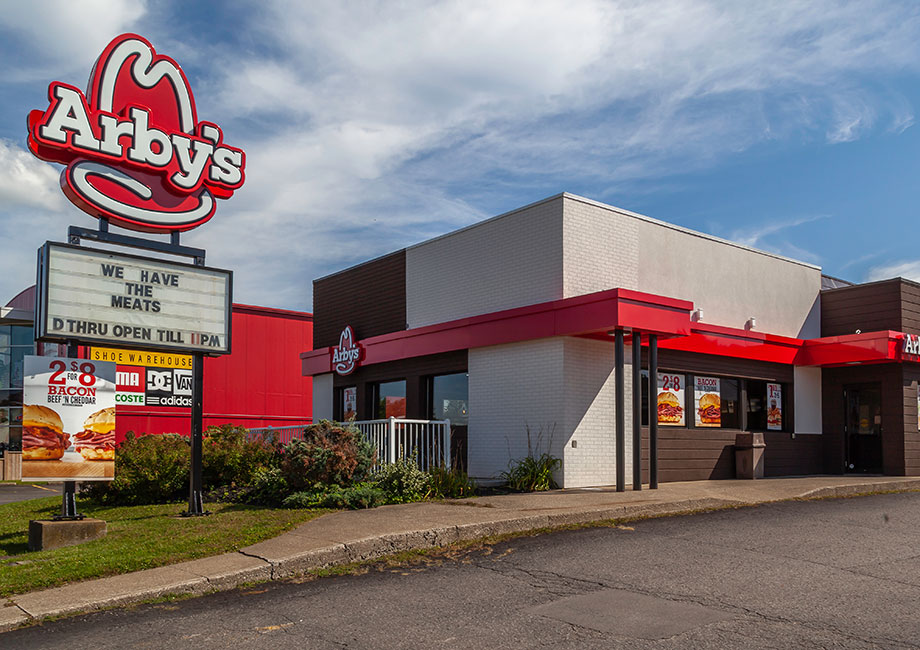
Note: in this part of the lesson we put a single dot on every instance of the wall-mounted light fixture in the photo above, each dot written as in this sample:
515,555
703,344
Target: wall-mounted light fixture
751,323
697,315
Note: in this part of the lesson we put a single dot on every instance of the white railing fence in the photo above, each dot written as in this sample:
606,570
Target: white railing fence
285,434
428,441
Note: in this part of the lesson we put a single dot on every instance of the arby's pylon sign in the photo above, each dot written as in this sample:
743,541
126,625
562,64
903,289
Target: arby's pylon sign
134,150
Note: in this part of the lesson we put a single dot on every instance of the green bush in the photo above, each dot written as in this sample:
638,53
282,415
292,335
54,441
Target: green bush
148,469
446,483
361,495
532,473
402,481
329,454
268,488
229,460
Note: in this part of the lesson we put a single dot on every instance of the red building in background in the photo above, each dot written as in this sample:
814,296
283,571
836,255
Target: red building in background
259,384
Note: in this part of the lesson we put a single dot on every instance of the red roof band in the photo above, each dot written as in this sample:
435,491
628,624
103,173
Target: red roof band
595,315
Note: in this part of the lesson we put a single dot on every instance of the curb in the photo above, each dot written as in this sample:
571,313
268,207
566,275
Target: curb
230,570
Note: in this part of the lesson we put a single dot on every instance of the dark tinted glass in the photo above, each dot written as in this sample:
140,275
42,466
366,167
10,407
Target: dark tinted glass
450,398
756,405
390,399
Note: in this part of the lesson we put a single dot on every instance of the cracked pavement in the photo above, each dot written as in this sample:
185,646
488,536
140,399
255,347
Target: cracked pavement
841,573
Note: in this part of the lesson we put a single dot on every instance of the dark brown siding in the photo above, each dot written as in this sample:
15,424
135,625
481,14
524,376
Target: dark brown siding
413,371
691,454
911,378
866,307
788,456
910,307
889,376
370,297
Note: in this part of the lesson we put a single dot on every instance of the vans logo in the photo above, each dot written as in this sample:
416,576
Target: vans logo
347,354
135,151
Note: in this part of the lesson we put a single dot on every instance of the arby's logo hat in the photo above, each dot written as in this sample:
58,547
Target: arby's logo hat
134,150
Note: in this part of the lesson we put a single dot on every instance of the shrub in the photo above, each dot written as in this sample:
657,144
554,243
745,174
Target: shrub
268,487
532,473
446,483
229,460
329,454
148,469
402,481
361,495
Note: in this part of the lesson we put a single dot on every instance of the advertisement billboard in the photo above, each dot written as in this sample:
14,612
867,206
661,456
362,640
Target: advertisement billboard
68,420
132,301
708,401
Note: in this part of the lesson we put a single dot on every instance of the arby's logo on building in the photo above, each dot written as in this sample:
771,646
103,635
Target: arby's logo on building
347,354
135,151
910,349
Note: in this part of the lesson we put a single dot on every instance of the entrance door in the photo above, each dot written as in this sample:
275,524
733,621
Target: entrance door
863,428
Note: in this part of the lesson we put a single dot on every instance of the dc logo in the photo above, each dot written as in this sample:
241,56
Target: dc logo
159,380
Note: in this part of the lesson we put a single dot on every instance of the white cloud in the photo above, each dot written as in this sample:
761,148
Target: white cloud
363,122
908,269
25,181
63,35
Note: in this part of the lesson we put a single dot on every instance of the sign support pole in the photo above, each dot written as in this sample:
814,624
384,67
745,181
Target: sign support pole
195,506
69,502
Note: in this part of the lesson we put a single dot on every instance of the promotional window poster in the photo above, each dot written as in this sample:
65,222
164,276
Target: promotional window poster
350,403
706,398
68,420
671,400
774,407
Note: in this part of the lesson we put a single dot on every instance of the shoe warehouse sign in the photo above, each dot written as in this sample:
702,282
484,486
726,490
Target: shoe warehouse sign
104,297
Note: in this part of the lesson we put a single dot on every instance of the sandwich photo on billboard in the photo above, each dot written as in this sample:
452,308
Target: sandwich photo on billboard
97,440
43,436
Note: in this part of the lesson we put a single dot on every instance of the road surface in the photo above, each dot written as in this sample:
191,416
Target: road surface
836,573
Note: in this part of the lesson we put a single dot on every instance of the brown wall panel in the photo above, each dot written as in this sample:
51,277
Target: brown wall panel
911,378
412,370
370,297
910,307
867,307
889,376
788,456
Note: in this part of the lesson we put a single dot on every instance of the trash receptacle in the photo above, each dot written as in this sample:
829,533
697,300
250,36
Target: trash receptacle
749,455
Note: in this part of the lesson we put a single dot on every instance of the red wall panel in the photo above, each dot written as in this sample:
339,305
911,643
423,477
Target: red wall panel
259,384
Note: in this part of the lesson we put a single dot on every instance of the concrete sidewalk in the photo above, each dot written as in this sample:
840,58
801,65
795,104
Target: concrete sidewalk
359,535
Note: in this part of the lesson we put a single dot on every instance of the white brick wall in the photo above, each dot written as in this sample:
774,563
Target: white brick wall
590,413
601,249
562,389
508,261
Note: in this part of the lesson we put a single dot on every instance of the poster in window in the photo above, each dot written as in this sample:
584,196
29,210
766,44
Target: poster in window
708,401
349,403
774,407
671,390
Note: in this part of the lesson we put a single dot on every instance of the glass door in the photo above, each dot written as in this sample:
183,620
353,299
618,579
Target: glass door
863,428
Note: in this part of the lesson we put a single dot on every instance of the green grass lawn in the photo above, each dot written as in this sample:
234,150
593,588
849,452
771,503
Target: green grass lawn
139,537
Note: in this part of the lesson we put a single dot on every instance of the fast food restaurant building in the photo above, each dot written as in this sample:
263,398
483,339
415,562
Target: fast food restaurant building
507,327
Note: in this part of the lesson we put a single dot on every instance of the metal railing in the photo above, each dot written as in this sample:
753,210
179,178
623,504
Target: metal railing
285,434
428,441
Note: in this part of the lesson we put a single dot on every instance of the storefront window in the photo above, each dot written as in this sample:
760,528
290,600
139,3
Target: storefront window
766,406
15,344
346,403
713,402
449,398
390,399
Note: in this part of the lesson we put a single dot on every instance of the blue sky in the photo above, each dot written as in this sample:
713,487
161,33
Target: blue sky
787,126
